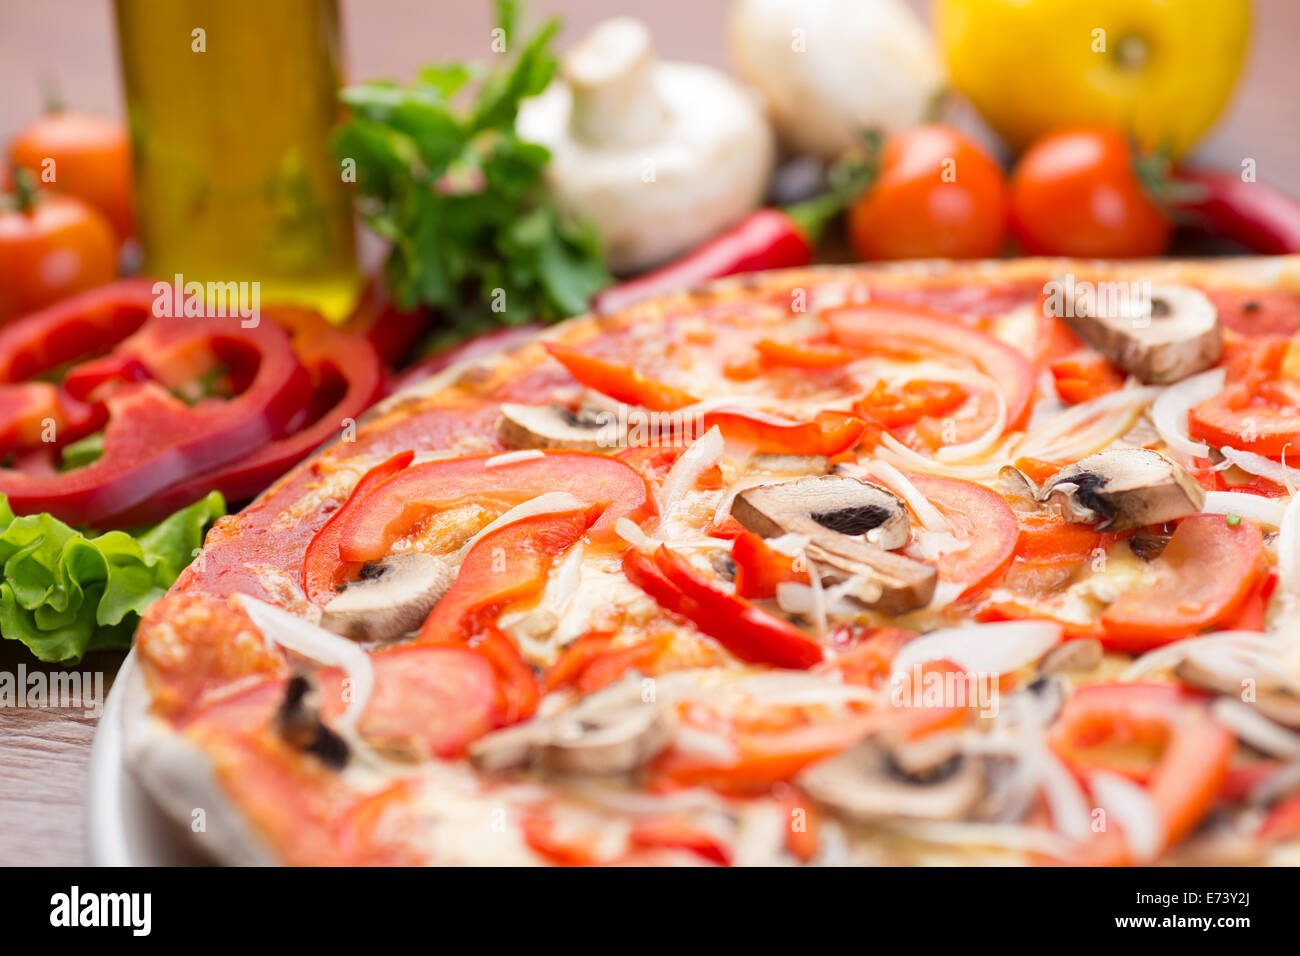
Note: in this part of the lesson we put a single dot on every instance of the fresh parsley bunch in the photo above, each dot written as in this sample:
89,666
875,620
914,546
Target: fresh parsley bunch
459,195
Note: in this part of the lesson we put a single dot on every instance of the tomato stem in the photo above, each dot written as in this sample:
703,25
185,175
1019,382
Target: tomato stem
24,190
847,179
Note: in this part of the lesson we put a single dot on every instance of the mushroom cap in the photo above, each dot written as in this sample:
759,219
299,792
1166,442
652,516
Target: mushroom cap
1162,338
659,157
390,598
856,511
1222,673
867,784
850,526
551,426
1123,488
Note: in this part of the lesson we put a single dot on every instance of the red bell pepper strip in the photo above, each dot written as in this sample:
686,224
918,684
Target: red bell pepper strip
152,439
766,239
745,630
771,433
409,496
516,682
322,571
802,354
620,382
503,566
567,670
347,378
760,568
677,834
1182,781
912,330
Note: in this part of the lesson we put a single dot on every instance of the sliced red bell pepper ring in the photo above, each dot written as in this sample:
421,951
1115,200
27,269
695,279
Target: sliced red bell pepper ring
153,439
82,325
322,571
744,629
347,377
504,565
1182,781
411,495
32,411
620,382
771,433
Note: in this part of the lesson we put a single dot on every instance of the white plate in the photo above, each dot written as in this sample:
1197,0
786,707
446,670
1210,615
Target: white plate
124,826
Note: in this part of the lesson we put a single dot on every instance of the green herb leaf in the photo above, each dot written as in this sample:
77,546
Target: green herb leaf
64,592
460,196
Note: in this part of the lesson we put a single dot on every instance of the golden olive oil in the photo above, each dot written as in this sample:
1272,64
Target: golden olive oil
230,106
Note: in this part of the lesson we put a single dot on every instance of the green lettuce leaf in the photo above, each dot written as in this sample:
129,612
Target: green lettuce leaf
64,592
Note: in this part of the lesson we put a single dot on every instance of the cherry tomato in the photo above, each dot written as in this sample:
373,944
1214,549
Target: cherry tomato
939,194
1075,193
83,155
50,247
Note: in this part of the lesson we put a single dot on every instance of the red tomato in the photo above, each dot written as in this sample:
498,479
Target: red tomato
88,157
50,247
1204,574
1262,420
1075,193
980,518
938,195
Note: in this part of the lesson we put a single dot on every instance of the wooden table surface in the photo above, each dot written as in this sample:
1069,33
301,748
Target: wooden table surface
44,752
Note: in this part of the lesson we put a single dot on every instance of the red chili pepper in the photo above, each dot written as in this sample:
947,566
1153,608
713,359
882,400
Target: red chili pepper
152,439
347,378
1258,216
766,239
322,570
747,631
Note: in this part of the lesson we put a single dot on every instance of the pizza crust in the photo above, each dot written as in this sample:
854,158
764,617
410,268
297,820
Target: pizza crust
180,777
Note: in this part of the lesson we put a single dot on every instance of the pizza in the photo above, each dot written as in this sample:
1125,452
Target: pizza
933,563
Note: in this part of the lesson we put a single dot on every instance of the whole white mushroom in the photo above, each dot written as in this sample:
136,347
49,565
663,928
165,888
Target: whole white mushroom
831,68
658,156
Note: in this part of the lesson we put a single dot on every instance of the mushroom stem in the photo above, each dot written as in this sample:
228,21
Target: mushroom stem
611,73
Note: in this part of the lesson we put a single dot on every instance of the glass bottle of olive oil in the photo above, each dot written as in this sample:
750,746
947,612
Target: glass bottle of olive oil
230,106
